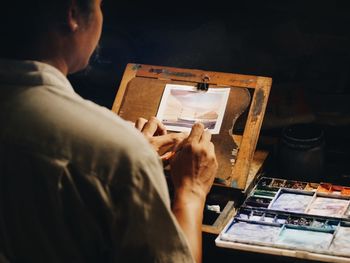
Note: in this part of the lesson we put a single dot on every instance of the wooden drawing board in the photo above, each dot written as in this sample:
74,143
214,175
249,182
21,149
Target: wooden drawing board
141,90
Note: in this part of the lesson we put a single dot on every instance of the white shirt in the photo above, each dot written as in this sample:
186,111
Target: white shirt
77,183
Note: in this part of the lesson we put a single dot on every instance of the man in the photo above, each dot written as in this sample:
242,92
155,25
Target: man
77,183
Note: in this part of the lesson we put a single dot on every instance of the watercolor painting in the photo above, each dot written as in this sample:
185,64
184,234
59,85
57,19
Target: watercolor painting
181,106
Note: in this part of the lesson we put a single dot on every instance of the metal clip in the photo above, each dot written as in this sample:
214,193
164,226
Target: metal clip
203,86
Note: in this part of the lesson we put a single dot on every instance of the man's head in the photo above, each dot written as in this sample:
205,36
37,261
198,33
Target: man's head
63,30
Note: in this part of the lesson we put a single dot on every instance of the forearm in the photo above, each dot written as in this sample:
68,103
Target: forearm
188,209
193,168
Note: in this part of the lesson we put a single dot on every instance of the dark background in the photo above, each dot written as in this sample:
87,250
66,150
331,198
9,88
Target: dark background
303,45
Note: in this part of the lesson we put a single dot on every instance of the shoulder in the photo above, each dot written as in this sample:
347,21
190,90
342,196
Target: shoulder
59,121
97,131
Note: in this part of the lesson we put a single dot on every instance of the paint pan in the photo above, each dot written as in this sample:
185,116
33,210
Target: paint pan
289,184
304,239
281,218
324,188
295,185
264,182
332,224
299,185
257,216
264,193
319,223
278,183
300,221
244,213
269,218
311,187
345,191
257,202
250,232
336,189
330,207
341,242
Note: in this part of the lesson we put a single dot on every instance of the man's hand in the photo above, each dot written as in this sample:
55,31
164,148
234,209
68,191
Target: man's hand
193,169
156,133
194,165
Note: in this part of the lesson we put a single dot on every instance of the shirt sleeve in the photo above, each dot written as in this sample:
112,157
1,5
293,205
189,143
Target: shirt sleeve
145,228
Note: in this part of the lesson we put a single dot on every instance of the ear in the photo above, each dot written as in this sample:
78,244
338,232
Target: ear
73,15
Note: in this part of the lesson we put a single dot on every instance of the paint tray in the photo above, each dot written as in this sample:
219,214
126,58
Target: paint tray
294,219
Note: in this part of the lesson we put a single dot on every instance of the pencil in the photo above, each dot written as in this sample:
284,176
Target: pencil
167,156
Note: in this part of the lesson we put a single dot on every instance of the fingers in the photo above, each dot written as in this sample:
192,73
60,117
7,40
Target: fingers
156,134
194,164
153,127
140,122
206,137
167,139
211,149
199,135
196,132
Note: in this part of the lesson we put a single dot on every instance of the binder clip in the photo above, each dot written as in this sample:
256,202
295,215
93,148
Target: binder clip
203,86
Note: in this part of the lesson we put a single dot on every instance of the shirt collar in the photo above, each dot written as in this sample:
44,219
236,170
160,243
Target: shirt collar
28,73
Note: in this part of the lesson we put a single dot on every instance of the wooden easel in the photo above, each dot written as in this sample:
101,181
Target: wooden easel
140,92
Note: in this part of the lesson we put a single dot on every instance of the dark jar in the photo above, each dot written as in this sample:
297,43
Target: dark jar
301,153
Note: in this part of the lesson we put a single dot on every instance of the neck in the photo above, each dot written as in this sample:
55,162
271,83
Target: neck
58,63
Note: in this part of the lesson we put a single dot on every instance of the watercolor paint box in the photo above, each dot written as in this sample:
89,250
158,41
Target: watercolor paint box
292,218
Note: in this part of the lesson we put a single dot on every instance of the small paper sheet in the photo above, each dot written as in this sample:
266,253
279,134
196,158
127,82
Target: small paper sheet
182,106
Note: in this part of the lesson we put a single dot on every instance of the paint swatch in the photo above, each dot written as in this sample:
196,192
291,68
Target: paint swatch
341,242
304,239
328,207
292,202
252,233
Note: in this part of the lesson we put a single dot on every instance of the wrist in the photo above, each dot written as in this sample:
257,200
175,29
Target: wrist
188,209
189,196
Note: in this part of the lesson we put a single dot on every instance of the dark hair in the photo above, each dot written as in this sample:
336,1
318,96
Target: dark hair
22,22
